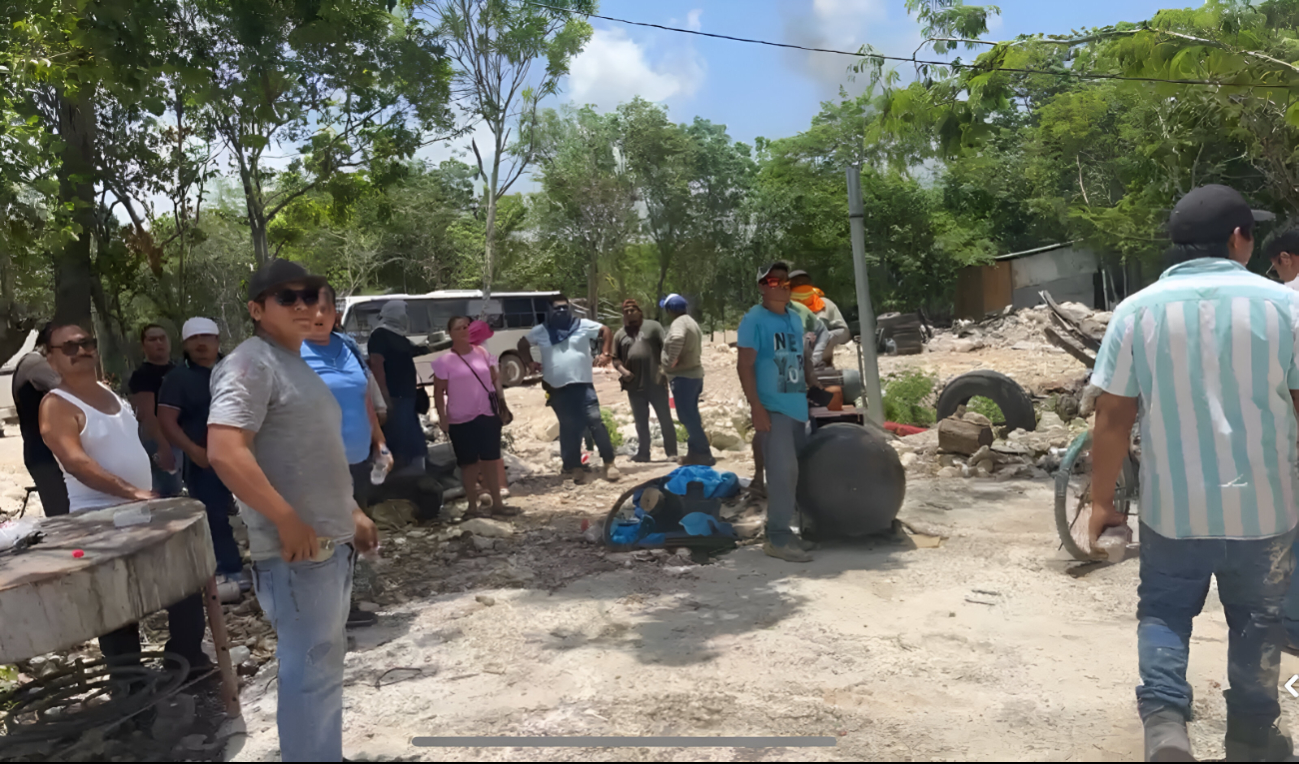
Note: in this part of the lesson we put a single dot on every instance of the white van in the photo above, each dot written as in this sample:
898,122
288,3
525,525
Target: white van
510,314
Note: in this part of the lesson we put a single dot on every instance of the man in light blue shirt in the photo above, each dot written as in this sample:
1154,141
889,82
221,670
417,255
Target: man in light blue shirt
1208,353
775,372
565,343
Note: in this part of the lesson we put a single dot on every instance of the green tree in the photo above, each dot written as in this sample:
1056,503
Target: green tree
588,200
510,55
350,84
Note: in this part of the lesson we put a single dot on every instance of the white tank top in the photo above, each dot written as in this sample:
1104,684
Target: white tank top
113,442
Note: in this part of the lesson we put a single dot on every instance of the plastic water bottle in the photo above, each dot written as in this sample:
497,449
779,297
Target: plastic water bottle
379,472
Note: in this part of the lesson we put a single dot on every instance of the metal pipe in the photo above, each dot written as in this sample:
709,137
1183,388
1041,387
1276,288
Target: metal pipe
870,369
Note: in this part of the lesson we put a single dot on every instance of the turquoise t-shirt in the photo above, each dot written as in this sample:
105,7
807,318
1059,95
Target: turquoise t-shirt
341,369
779,367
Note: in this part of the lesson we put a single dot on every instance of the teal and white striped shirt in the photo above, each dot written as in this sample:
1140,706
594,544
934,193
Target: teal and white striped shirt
1211,350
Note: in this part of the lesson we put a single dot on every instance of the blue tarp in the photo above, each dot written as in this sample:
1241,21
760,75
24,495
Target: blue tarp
717,485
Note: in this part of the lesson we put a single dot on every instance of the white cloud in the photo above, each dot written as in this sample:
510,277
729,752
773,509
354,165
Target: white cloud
613,68
692,20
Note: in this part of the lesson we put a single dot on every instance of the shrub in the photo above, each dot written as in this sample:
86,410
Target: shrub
615,437
980,405
903,397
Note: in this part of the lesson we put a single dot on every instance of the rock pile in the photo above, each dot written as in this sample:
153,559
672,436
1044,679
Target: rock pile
1018,330
1015,454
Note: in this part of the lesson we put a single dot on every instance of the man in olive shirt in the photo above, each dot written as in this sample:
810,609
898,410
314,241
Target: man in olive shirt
683,362
637,347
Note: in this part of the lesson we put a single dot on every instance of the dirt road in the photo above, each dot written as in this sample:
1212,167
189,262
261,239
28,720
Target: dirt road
991,645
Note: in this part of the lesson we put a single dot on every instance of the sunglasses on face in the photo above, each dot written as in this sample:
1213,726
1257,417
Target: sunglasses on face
290,297
71,349
775,281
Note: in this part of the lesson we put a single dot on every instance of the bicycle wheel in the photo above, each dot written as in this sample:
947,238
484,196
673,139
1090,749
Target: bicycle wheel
1073,483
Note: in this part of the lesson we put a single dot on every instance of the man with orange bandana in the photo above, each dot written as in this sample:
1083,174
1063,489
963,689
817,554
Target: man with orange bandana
815,300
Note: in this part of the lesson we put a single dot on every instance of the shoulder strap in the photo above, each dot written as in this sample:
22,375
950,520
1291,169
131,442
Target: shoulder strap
471,369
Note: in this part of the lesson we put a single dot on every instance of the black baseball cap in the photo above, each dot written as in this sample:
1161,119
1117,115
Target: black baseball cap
1210,214
278,272
779,265
1283,241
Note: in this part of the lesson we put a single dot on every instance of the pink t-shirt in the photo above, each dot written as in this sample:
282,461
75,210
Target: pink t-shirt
466,398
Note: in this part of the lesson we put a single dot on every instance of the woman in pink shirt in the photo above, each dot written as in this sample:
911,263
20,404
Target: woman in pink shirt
471,410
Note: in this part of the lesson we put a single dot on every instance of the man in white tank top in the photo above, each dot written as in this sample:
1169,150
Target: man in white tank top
95,438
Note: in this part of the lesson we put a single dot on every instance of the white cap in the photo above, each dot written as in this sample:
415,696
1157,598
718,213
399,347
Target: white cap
199,325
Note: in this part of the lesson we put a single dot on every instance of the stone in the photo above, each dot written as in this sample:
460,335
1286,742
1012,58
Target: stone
368,607
949,472
488,528
977,418
174,716
908,460
193,742
725,440
240,654
484,599
483,544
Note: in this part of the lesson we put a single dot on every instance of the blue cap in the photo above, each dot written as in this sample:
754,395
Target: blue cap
674,302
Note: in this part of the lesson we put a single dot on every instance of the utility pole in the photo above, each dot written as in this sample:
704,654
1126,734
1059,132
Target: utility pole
870,370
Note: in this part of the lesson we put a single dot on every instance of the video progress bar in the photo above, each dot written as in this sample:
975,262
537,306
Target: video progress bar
625,742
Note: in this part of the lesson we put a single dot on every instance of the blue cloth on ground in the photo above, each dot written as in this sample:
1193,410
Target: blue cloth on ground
717,485
701,524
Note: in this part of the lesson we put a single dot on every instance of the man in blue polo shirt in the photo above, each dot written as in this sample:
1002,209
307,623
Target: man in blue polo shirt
1208,353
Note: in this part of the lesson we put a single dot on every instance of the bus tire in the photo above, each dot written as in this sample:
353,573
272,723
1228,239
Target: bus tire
512,371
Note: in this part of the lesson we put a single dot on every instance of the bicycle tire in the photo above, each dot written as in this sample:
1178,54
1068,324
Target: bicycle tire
1065,517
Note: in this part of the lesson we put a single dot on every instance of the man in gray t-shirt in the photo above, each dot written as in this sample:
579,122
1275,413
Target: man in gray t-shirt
265,389
275,438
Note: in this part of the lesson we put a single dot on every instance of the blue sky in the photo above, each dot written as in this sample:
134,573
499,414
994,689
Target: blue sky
758,90
762,91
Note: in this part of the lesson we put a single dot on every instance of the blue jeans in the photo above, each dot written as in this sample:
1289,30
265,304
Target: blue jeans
641,401
1290,613
307,604
686,392
165,484
1253,577
205,486
577,408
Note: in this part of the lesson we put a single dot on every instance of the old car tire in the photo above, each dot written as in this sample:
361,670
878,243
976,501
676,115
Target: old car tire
1014,403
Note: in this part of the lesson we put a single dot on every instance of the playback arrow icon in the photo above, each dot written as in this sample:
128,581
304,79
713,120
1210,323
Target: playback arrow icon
1290,685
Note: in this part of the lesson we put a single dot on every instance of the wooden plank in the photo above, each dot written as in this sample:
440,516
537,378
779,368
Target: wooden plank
1068,345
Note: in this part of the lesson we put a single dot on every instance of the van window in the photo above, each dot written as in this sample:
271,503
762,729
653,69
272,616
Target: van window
520,313
442,311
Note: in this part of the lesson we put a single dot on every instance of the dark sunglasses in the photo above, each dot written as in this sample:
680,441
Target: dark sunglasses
289,297
71,349
775,281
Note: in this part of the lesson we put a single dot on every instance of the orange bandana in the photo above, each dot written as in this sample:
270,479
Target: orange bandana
809,296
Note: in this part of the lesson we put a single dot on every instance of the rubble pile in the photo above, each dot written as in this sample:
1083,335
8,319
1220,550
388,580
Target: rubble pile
1015,454
1018,330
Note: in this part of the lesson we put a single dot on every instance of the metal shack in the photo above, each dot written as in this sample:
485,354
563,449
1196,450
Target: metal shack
1071,273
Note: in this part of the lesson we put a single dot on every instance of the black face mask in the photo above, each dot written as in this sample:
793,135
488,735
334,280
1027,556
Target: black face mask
560,317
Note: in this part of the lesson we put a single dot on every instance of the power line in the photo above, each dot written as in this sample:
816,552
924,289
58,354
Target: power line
913,60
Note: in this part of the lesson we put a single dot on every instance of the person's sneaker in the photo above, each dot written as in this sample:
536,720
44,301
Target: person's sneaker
1166,738
357,618
641,458
788,552
611,472
1251,741
805,545
580,476
245,580
506,511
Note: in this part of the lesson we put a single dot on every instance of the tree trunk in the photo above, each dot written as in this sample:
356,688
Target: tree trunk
489,239
73,272
593,286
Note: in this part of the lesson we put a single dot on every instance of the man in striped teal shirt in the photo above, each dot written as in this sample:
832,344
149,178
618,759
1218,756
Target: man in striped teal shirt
1208,353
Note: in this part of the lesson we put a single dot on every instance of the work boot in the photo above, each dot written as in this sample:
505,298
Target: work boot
805,545
578,475
789,552
641,458
611,472
1248,740
1166,738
